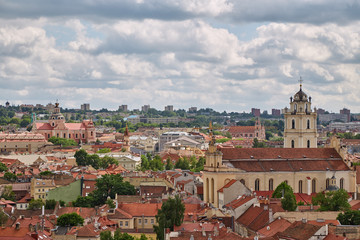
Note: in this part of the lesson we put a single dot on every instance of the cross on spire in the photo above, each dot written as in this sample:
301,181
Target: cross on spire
301,81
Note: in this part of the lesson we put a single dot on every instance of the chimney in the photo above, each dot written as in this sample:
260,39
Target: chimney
271,216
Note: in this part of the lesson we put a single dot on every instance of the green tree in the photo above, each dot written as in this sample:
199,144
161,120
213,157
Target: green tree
171,214
35,204
110,203
3,217
169,165
288,201
106,161
50,204
257,144
81,157
62,141
3,167
106,235
8,193
46,173
87,201
104,150
349,217
332,201
10,176
70,219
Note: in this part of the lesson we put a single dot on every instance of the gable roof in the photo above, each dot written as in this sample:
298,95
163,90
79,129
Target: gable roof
299,230
254,218
232,181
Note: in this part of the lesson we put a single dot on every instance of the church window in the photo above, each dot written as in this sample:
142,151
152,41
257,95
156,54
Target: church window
64,135
327,183
83,136
257,134
295,107
76,135
69,135
271,184
300,186
286,181
293,124
308,143
292,143
313,185
257,184
308,124
53,124
57,134
242,181
212,191
250,135
306,107
226,181
48,135
91,133
342,183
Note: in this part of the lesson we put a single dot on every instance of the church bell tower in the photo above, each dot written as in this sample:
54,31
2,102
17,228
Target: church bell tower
300,122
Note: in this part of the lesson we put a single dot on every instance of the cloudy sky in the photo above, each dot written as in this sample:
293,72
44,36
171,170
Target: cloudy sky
227,55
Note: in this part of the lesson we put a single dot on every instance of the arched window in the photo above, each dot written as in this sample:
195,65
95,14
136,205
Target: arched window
212,191
327,183
207,190
286,182
257,184
242,181
308,143
313,185
342,183
308,124
271,184
306,108
226,181
292,143
300,186
295,107
293,124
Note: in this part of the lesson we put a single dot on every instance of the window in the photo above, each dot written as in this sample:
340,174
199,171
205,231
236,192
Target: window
308,143
69,135
242,181
295,107
300,186
341,183
293,124
64,135
57,134
327,183
152,221
48,135
126,223
145,221
257,184
91,133
292,143
121,223
76,135
139,220
83,136
308,124
271,184
313,184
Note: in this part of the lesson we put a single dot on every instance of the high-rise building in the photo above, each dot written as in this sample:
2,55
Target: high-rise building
145,108
123,108
300,123
192,109
169,108
347,112
276,112
85,107
255,112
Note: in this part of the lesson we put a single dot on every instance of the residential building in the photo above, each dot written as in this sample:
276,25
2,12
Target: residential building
255,112
145,108
23,142
123,108
170,136
276,112
346,112
85,107
169,108
40,187
333,117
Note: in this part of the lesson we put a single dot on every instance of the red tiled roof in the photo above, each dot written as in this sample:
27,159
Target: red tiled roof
10,233
325,222
334,237
299,230
140,209
356,206
43,126
279,225
238,202
254,218
241,129
279,153
232,181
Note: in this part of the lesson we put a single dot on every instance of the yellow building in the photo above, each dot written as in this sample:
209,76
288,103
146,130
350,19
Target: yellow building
300,129
40,187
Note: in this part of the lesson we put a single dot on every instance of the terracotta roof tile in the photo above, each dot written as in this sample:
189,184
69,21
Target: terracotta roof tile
254,218
238,202
299,230
279,225
140,209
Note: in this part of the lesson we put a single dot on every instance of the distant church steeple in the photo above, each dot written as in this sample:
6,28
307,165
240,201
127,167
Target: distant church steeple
300,122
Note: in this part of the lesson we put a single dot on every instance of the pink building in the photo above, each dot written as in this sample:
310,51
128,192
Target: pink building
83,132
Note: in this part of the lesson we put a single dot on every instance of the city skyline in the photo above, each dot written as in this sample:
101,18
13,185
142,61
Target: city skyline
224,55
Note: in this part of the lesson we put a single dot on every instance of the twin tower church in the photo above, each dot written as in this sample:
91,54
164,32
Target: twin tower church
306,168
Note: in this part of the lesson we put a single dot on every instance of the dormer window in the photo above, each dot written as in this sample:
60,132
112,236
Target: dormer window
53,124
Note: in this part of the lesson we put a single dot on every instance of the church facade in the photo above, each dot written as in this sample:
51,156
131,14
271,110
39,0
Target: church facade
306,169
83,132
300,130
